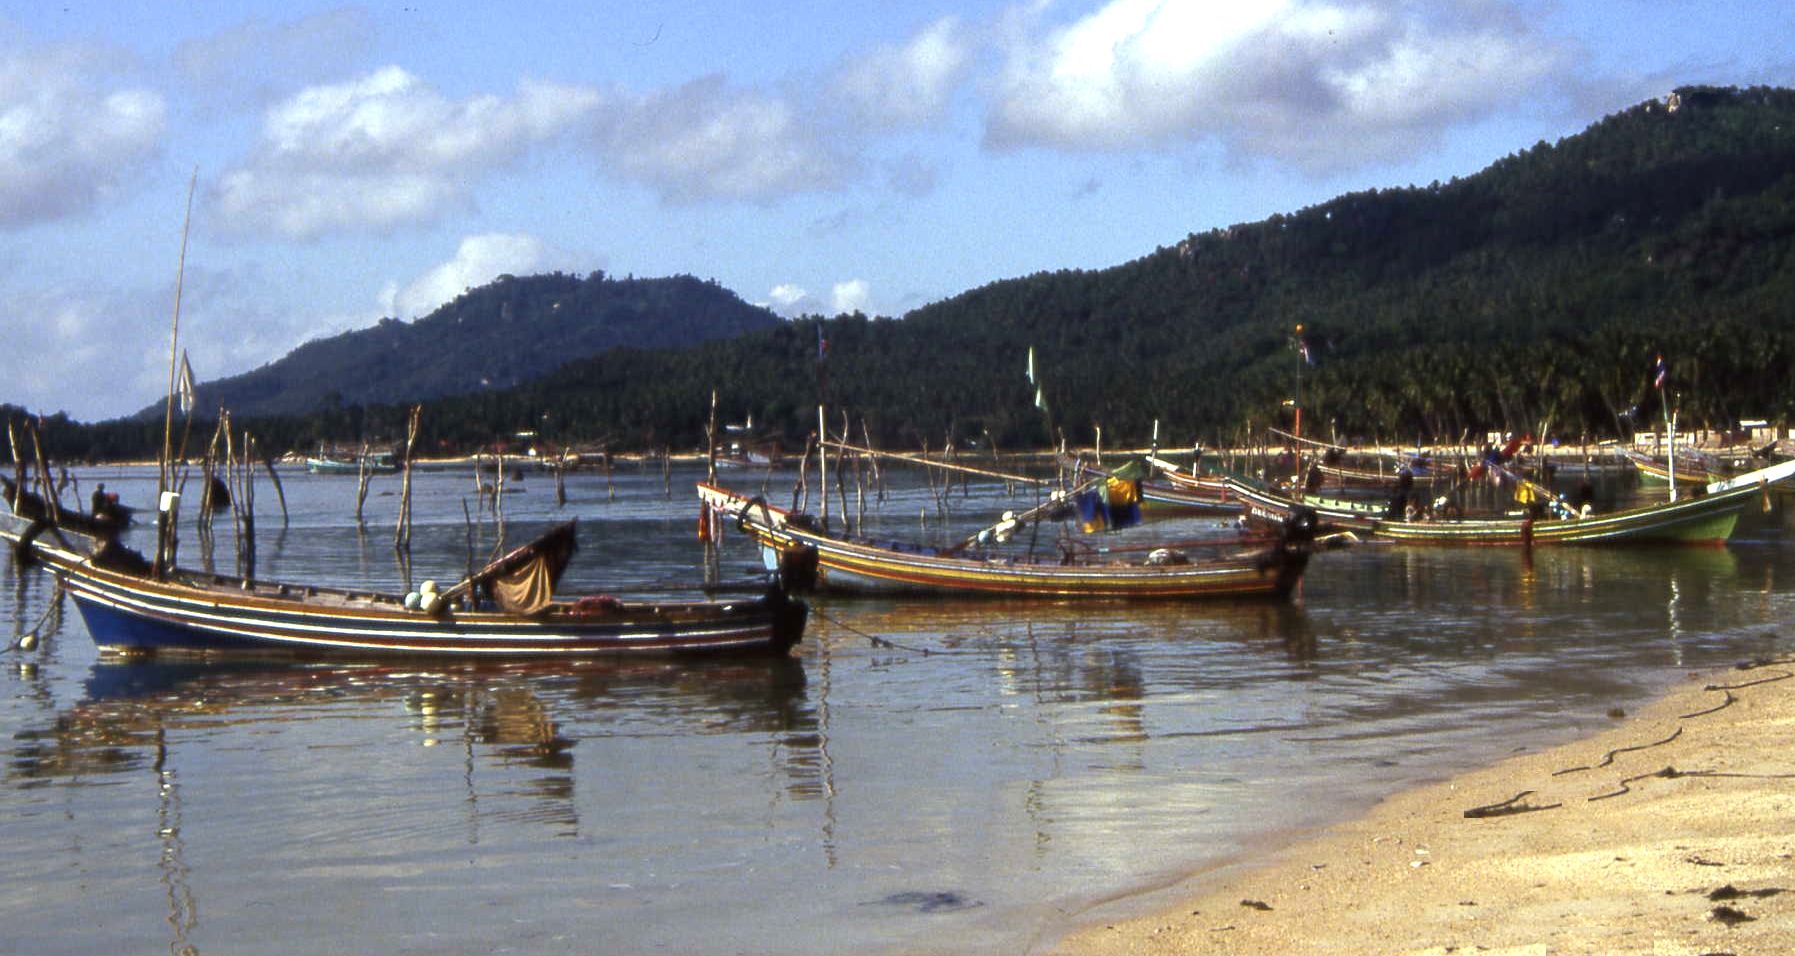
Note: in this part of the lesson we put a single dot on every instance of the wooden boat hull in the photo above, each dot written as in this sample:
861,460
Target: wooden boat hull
1655,472
187,612
1707,518
834,564
1176,489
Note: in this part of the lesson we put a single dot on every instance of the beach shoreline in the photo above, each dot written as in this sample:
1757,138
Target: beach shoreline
1672,832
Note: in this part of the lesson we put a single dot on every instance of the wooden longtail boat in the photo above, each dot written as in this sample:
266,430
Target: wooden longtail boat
504,611
30,504
811,556
1691,470
1167,487
1706,517
1188,492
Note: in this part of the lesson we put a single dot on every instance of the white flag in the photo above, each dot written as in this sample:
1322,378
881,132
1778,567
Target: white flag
184,385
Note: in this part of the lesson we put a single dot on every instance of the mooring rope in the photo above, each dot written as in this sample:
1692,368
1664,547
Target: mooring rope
28,640
878,641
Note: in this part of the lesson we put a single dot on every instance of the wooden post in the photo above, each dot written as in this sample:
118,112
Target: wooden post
280,491
244,501
710,437
822,463
362,478
402,535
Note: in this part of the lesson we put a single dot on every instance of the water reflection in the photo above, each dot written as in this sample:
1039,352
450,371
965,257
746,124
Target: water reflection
513,712
937,776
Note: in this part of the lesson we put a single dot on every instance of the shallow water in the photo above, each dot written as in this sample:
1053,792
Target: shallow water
952,777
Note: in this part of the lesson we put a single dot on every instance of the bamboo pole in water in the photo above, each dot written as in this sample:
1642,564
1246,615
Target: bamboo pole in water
822,463
280,491
402,534
362,477
165,523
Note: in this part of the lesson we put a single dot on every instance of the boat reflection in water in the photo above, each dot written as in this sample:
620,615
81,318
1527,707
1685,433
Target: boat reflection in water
320,752
940,776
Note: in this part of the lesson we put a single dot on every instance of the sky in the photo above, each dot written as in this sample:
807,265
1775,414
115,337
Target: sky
242,178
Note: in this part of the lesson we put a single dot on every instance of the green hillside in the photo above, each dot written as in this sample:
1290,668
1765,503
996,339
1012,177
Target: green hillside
488,339
1535,295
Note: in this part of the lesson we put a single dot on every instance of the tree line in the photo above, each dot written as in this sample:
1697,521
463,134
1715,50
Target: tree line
1535,295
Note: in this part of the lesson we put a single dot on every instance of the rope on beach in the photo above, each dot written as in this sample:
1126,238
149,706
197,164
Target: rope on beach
1513,804
1672,773
1717,708
1728,689
1749,683
1608,758
1510,806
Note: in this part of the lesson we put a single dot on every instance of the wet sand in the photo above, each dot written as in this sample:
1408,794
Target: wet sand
1672,833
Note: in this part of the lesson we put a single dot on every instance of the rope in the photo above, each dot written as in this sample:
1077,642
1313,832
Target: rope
878,641
1608,758
1513,804
1672,773
1506,807
28,640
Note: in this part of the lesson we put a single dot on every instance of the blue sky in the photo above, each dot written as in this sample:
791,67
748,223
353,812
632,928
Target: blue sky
359,162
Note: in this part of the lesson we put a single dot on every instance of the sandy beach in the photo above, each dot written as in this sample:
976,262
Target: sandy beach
1672,833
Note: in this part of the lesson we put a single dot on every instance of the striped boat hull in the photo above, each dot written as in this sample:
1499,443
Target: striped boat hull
1706,518
855,567
191,612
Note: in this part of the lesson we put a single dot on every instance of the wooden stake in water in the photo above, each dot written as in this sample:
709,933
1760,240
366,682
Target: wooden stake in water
402,537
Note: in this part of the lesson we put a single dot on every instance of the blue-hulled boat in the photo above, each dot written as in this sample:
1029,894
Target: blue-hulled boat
504,611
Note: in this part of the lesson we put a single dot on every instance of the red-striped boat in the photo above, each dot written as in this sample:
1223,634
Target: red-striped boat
503,612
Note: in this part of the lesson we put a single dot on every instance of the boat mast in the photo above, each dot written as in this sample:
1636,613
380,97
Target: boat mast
165,464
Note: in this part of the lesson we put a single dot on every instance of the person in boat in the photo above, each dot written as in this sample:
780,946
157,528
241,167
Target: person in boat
1399,502
105,506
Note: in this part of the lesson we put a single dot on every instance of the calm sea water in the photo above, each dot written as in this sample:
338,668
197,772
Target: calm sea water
923,777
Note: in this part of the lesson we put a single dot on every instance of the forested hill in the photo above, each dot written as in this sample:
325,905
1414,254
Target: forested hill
1535,295
488,339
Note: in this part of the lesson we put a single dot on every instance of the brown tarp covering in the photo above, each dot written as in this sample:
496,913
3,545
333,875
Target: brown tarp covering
528,588
523,582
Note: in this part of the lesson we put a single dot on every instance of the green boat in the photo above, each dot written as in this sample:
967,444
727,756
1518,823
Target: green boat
1705,517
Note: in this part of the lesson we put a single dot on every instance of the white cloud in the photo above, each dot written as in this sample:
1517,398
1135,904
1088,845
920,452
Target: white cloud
1319,83
256,62
788,300
477,261
705,140
69,135
68,350
850,295
910,83
383,151
854,295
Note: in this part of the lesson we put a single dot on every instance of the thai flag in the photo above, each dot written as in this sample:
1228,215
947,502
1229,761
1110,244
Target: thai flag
1659,373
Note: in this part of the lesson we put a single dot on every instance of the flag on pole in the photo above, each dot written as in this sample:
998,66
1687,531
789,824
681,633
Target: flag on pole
184,385
1031,365
1659,373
